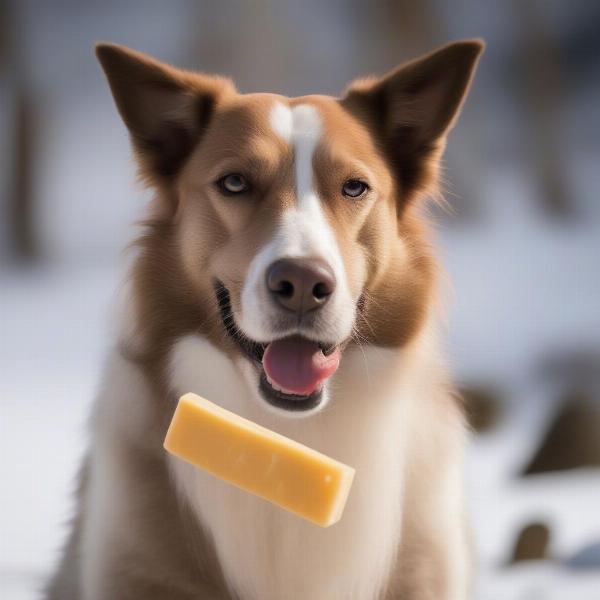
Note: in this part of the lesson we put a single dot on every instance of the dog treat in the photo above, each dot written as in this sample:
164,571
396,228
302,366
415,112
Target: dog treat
257,460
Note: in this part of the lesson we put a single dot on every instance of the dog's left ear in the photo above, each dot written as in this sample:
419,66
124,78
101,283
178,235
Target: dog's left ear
165,109
412,109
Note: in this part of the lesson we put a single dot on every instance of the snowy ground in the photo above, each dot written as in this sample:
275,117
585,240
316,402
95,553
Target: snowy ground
52,344
54,330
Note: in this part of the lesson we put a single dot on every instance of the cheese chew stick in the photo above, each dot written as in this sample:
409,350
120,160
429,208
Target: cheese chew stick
257,460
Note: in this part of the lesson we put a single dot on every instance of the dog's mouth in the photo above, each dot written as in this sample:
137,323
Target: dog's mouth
292,369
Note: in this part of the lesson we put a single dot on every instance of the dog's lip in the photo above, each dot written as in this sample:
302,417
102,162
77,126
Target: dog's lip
251,349
254,351
327,349
290,402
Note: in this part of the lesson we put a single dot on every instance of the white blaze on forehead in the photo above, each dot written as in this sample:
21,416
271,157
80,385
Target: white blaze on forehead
282,121
299,126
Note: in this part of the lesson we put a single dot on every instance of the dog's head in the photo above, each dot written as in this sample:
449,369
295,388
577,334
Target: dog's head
292,221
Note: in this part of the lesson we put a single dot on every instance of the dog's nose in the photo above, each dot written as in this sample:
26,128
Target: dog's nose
300,285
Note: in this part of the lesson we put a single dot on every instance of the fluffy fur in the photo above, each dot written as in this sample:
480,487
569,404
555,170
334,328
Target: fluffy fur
153,527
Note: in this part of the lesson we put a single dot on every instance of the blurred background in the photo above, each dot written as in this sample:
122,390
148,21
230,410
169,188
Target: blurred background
521,247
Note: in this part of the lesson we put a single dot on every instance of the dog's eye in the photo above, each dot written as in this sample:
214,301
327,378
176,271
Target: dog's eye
353,188
234,183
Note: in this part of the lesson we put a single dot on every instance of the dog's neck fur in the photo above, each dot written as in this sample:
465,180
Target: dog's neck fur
391,417
268,554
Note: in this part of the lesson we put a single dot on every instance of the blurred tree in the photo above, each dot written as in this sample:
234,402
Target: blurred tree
22,245
541,82
24,242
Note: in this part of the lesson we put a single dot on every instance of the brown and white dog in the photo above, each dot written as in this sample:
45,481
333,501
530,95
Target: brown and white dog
285,272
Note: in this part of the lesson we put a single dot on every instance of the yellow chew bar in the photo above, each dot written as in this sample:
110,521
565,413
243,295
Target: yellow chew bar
258,460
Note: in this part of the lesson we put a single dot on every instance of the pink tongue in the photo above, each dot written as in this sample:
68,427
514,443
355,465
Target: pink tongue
297,365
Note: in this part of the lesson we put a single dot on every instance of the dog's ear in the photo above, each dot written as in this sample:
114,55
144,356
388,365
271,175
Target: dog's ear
412,109
165,109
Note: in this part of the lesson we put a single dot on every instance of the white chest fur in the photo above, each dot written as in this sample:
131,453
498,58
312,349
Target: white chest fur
268,554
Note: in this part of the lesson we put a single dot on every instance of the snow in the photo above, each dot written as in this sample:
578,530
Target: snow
55,331
539,581
521,289
52,345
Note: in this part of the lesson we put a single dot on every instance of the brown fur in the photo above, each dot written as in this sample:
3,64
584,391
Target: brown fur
187,130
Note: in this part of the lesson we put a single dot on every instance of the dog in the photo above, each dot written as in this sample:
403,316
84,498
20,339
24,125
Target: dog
285,271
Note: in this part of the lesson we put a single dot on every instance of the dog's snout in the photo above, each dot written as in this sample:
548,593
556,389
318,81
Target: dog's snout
300,285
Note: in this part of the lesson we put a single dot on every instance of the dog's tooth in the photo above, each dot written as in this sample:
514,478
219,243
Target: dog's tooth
272,383
289,392
277,387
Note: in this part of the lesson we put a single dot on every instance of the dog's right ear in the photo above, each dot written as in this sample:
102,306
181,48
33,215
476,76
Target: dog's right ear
165,109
